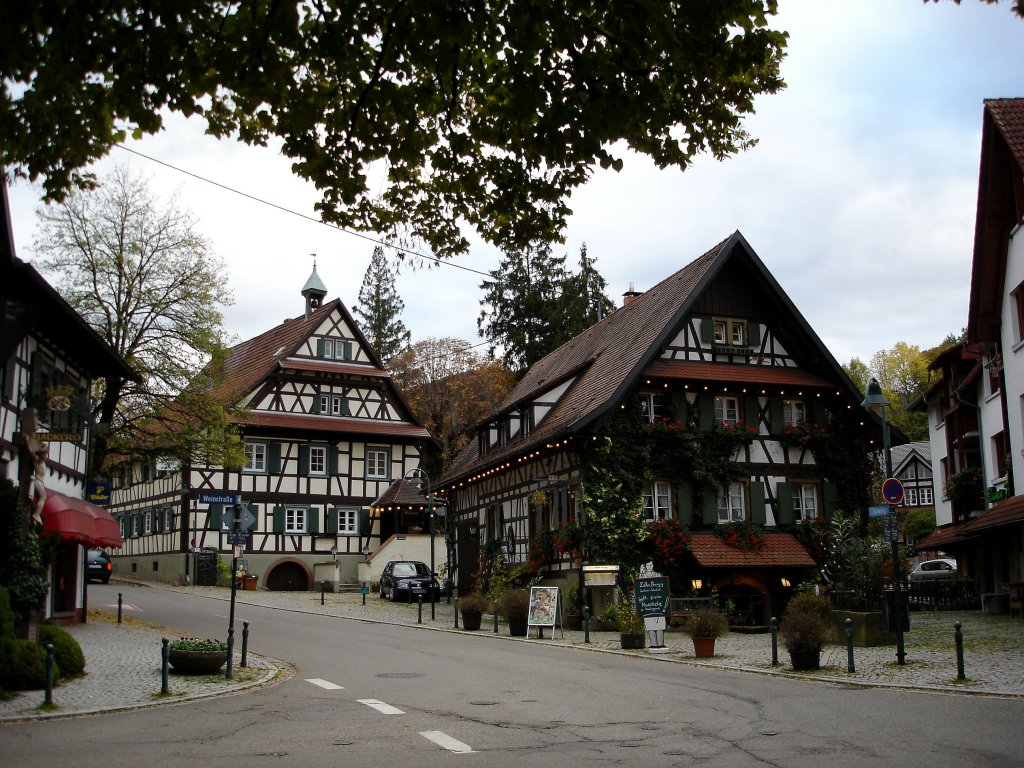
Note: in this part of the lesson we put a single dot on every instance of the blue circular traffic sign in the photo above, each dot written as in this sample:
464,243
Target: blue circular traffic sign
892,490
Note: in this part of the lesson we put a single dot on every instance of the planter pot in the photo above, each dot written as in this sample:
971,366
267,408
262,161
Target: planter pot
573,621
868,628
518,626
249,583
703,647
631,640
802,659
197,662
471,620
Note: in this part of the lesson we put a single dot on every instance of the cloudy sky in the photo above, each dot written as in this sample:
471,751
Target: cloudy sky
860,197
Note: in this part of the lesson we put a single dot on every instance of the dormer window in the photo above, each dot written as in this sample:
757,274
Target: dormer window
334,349
731,333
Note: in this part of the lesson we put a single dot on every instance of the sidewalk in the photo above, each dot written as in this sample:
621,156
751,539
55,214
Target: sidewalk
123,661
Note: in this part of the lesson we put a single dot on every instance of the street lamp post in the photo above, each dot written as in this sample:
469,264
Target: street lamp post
875,400
420,478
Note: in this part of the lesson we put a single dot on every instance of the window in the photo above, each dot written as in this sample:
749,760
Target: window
731,332
168,519
147,522
727,410
348,521
911,497
334,349
1018,304
378,461
318,459
255,457
657,502
334,405
524,421
730,504
926,497
805,501
652,405
793,412
295,520
135,525
999,453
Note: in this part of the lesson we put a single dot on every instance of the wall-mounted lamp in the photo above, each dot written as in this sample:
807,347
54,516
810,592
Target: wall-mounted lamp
696,584
786,582
334,553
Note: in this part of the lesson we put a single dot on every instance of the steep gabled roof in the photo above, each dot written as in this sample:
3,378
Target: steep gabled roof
606,361
1000,209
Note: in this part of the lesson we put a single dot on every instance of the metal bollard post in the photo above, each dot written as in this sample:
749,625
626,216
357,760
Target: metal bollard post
494,613
959,637
119,602
849,646
364,593
321,593
586,623
231,652
775,641
164,653
419,609
48,699
245,645
456,613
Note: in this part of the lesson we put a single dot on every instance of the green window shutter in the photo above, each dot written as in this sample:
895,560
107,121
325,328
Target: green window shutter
679,405
313,520
752,411
705,411
315,407
816,410
684,502
303,459
347,350
216,515
784,492
709,499
775,416
332,460
9,369
344,407
278,519
274,458
707,330
831,499
319,347
754,334
332,521
757,511
364,522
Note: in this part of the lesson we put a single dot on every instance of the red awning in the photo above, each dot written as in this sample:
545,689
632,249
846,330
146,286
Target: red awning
80,521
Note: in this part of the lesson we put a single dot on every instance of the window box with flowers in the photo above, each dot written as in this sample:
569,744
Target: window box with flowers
803,435
742,535
669,543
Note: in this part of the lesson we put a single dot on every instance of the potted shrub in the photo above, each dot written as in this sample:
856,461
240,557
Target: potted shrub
192,656
514,605
472,607
806,627
631,626
249,581
704,626
571,602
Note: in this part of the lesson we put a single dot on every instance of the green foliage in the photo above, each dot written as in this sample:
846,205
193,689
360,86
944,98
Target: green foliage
842,458
705,622
223,572
23,665
855,564
630,622
380,308
918,523
66,650
514,603
474,602
964,487
197,644
487,113
806,622
6,614
22,570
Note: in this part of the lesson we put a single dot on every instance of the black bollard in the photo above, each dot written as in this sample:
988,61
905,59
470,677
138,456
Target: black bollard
364,593
321,593
494,613
586,624
419,609
231,653
456,613
958,635
245,644
119,607
48,699
775,641
164,654
849,646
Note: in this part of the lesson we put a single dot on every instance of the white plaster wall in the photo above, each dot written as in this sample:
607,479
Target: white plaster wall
1013,357
937,440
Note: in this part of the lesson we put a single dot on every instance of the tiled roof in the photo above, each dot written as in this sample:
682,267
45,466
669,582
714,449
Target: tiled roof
1007,512
401,493
730,372
1008,115
339,424
779,550
330,366
900,453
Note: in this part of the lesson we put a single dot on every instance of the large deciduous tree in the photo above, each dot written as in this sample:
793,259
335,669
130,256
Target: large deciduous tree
380,308
144,278
424,114
450,388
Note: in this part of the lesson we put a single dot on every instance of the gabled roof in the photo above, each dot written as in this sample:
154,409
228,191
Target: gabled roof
901,454
1000,209
606,361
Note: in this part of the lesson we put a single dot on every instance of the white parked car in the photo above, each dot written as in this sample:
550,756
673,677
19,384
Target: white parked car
934,570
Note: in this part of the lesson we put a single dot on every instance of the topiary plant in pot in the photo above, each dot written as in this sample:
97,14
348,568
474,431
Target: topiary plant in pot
806,627
514,605
704,626
472,607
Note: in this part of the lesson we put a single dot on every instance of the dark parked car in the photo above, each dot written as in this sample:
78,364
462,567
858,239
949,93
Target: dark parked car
934,570
408,579
98,567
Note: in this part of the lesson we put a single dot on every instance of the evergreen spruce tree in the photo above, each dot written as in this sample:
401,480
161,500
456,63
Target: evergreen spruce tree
584,298
380,307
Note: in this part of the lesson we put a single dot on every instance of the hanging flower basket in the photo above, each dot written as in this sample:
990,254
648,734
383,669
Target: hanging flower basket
742,535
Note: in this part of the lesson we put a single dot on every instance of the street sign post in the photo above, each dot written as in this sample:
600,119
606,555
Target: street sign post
218,497
878,510
892,491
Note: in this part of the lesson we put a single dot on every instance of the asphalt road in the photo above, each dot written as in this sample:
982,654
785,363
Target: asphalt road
384,695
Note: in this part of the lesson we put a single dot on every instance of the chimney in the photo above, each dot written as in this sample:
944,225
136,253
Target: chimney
629,295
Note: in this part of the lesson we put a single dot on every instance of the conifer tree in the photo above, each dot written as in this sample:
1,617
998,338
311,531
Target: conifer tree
380,307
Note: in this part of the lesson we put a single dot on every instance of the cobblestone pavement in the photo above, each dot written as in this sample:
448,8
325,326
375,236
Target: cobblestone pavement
126,672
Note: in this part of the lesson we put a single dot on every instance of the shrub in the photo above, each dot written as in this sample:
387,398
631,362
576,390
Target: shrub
705,622
807,622
6,614
23,665
474,602
514,604
197,644
66,650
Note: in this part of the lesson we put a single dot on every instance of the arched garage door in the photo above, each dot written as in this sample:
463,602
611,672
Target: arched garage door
288,577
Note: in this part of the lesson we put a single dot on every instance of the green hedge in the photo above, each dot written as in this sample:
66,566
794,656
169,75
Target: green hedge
66,650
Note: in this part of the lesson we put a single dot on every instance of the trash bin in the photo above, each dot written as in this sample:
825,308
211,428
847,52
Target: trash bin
889,610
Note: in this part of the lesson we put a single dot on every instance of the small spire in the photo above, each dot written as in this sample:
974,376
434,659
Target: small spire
314,290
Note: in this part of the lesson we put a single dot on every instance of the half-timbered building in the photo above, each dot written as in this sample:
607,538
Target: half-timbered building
717,344
326,434
50,357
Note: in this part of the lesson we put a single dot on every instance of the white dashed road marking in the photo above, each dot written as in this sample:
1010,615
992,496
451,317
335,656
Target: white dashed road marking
381,707
125,607
442,739
324,684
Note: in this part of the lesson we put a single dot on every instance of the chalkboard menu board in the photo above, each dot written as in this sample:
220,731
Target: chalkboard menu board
206,569
651,596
